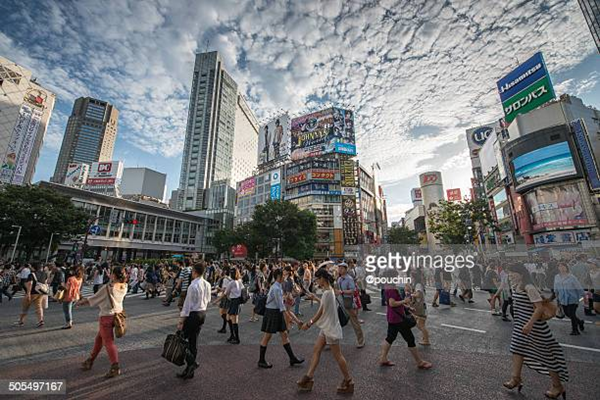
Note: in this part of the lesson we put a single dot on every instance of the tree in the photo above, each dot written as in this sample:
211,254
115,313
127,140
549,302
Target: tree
223,239
459,222
281,227
402,235
40,212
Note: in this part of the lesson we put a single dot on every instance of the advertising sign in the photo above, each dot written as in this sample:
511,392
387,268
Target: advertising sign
301,177
564,238
276,185
349,220
323,175
105,173
239,251
534,96
476,137
347,173
520,78
274,140
247,187
556,207
587,156
77,174
543,164
326,131
19,148
416,195
453,194
430,178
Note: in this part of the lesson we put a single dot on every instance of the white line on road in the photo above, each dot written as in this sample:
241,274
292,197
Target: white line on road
463,328
580,347
475,309
381,313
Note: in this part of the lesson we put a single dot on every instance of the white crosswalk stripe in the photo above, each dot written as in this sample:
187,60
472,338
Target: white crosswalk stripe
88,291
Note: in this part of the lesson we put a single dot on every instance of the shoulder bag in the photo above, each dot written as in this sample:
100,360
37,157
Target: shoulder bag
342,314
119,318
41,288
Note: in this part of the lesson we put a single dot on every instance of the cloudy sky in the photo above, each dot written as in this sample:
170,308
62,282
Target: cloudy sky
417,72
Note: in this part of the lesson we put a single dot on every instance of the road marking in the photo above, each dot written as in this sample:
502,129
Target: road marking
463,328
375,297
381,313
580,347
568,320
475,309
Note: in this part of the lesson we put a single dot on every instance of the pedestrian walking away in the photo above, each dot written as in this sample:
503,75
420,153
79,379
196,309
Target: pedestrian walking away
72,294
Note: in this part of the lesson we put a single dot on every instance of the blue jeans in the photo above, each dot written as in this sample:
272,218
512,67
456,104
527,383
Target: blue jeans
68,310
297,305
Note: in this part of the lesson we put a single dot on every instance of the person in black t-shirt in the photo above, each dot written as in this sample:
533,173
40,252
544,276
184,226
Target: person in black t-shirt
34,294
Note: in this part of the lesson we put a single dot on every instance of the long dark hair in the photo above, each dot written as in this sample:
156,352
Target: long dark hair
119,273
521,270
323,273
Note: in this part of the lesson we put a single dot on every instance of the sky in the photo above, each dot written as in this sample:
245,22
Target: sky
417,73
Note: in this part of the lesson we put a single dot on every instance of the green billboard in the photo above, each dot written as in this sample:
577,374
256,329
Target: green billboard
533,96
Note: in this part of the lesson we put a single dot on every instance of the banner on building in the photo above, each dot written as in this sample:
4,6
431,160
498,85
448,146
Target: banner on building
350,220
347,173
274,140
323,175
77,174
453,194
276,185
105,173
297,178
16,158
587,156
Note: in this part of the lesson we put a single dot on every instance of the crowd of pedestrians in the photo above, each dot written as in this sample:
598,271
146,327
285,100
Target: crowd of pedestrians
275,290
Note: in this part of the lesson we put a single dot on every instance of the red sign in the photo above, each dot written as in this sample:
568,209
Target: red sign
239,251
104,167
429,178
453,194
297,178
326,175
101,181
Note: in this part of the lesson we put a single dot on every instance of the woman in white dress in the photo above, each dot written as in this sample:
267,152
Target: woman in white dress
327,320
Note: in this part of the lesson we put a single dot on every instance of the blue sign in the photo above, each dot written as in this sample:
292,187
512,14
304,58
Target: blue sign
522,77
345,148
276,192
587,157
95,229
480,135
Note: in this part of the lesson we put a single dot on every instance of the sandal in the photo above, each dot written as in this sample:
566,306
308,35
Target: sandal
305,384
347,386
425,343
386,364
40,324
425,365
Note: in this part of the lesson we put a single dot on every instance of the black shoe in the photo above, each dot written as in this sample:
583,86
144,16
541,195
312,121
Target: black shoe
235,341
296,361
222,331
461,297
471,302
264,364
505,318
575,333
589,312
581,325
231,339
367,309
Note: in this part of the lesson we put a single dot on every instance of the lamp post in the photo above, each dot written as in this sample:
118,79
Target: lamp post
12,257
50,246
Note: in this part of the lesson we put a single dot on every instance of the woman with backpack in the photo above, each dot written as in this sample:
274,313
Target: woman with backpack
400,321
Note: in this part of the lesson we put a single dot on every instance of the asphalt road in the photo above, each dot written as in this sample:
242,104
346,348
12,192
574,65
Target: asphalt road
469,352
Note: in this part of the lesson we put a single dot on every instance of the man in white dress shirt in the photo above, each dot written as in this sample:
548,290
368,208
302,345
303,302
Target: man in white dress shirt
193,314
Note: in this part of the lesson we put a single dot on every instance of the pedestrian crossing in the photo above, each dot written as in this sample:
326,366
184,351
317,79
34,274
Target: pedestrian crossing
87,291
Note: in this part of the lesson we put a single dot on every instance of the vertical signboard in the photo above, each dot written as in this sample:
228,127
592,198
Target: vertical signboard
453,194
14,152
525,88
274,140
276,185
587,156
349,220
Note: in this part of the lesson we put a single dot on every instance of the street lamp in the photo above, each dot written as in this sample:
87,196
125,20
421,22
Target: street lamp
12,257
50,245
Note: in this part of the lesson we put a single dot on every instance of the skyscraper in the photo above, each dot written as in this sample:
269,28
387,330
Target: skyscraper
221,131
591,12
25,110
89,137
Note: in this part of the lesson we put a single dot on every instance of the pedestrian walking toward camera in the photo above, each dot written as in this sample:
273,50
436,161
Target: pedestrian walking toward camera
400,321
72,294
224,282
328,321
6,279
233,292
274,321
420,312
347,287
192,316
98,279
109,299
36,288
183,282
532,342
568,290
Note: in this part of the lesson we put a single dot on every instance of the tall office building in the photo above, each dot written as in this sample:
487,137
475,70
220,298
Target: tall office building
90,135
221,136
25,110
591,12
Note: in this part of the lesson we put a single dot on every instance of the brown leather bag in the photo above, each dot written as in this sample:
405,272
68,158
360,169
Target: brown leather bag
549,309
119,318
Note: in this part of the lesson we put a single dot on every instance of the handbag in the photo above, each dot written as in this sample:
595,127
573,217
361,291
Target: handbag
549,310
560,312
59,295
408,320
175,349
365,298
445,297
41,288
261,304
119,318
342,314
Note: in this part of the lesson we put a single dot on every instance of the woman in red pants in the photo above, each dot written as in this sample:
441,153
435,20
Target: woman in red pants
109,299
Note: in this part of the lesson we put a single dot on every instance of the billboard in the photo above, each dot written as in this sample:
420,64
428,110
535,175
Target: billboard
326,131
587,156
453,194
297,178
247,187
274,140
543,164
322,175
347,173
498,199
349,220
562,238
476,137
430,178
526,87
105,173
557,206
18,152
276,185
77,174
416,195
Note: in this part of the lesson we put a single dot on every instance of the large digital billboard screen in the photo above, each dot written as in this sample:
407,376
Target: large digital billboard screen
274,140
544,164
558,206
322,132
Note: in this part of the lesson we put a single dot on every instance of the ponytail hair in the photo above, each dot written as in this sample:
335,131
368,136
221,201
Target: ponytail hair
323,273
119,273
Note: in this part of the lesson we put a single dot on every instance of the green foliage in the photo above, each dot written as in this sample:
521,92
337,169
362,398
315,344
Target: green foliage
223,239
459,222
402,235
40,212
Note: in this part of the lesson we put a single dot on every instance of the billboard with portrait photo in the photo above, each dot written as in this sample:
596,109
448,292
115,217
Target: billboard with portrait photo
274,140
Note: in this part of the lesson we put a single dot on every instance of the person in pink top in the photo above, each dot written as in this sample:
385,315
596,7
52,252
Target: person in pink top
109,306
72,294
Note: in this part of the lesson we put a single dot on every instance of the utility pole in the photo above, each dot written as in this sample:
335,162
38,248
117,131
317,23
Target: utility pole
12,257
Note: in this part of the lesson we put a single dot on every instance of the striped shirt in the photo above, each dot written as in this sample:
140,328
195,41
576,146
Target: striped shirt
184,275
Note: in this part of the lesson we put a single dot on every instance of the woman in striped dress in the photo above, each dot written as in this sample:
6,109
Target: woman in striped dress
532,342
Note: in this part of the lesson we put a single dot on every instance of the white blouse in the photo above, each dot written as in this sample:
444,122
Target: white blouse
329,321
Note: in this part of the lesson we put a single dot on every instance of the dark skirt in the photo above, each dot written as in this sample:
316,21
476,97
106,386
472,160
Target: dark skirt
234,306
273,321
224,303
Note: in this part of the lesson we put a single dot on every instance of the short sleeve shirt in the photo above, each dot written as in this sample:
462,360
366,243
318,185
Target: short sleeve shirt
394,314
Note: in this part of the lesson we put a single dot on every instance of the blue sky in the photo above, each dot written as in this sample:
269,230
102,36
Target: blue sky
417,73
